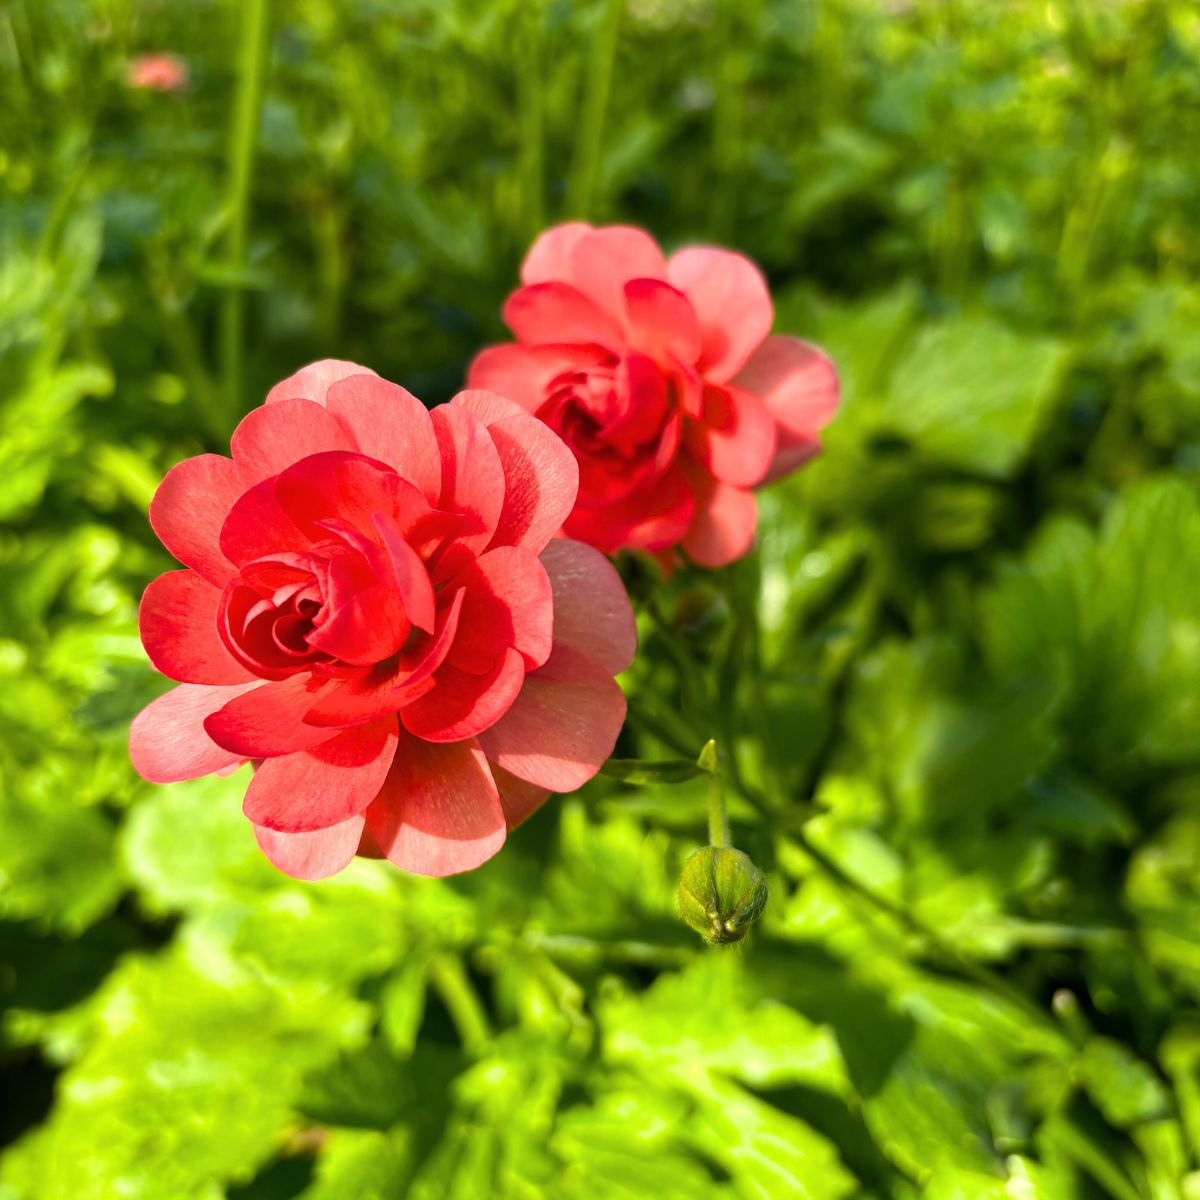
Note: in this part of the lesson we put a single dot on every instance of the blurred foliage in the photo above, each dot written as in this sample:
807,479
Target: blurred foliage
958,689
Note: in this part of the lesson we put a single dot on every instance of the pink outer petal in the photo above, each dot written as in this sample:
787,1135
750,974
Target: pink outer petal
604,260
732,304
271,438
735,441
550,255
314,381
462,704
314,855
524,373
554,313
472,473
178,622
269,720
391,425
723,526
167,741
324,786
541,475
563,725
520,800
189,508
438,812
799,384
592,613
660,321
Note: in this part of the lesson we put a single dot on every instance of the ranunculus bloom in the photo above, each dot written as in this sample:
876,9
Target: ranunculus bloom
661,376
377,614
157,72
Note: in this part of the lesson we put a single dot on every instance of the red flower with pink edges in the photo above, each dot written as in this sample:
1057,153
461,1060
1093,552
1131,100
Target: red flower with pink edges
376,612
661,376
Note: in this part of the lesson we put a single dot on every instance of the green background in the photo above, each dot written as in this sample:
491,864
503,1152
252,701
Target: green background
957,691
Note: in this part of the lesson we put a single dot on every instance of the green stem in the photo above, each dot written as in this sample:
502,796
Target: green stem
529,102
718,820
243,142
585,166
448,976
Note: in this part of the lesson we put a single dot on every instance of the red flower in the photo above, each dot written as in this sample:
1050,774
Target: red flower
661,377
376,615
157,72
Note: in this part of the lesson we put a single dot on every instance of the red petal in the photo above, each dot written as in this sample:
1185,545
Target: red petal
592,613
256,526
732,304
508,603
660,321
391,425
439,812
462,704
189,508
167,741
314,381
550,255
472,474
604,260
326,785
523,373
799,384
735,440
368,628
271,438
520,800
315,855
723,526
269,720
562,727
650,519
554,313
178,623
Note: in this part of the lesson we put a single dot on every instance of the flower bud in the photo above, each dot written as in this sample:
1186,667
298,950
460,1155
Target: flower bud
701,613
721,894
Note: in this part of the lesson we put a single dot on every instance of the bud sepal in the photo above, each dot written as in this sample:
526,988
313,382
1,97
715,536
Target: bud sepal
721,894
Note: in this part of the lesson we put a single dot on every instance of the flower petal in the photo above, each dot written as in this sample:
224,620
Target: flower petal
177,619
189,508
799,384
732,304
592,613
391,425
272,437
523,374
604,260
472,474
520,800
314,855
257,526
651,518
723,526
563,725
554,313
660,321
323,786
550,255
461,704
167,741
541,475
314,381
735,439
269,720
438,812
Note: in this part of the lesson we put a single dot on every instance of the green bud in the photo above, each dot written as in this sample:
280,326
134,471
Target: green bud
721,894
701,613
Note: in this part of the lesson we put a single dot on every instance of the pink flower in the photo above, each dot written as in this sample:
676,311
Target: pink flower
661,376
376,613
157,72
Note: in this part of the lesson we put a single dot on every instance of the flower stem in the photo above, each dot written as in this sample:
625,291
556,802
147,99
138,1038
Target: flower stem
718,820
448,976
243,142
595,104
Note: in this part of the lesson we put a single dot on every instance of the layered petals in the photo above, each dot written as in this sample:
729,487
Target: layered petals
177,619
168,742
313,855
190,507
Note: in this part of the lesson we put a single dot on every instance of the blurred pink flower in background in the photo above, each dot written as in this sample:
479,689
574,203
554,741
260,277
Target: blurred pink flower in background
157,72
